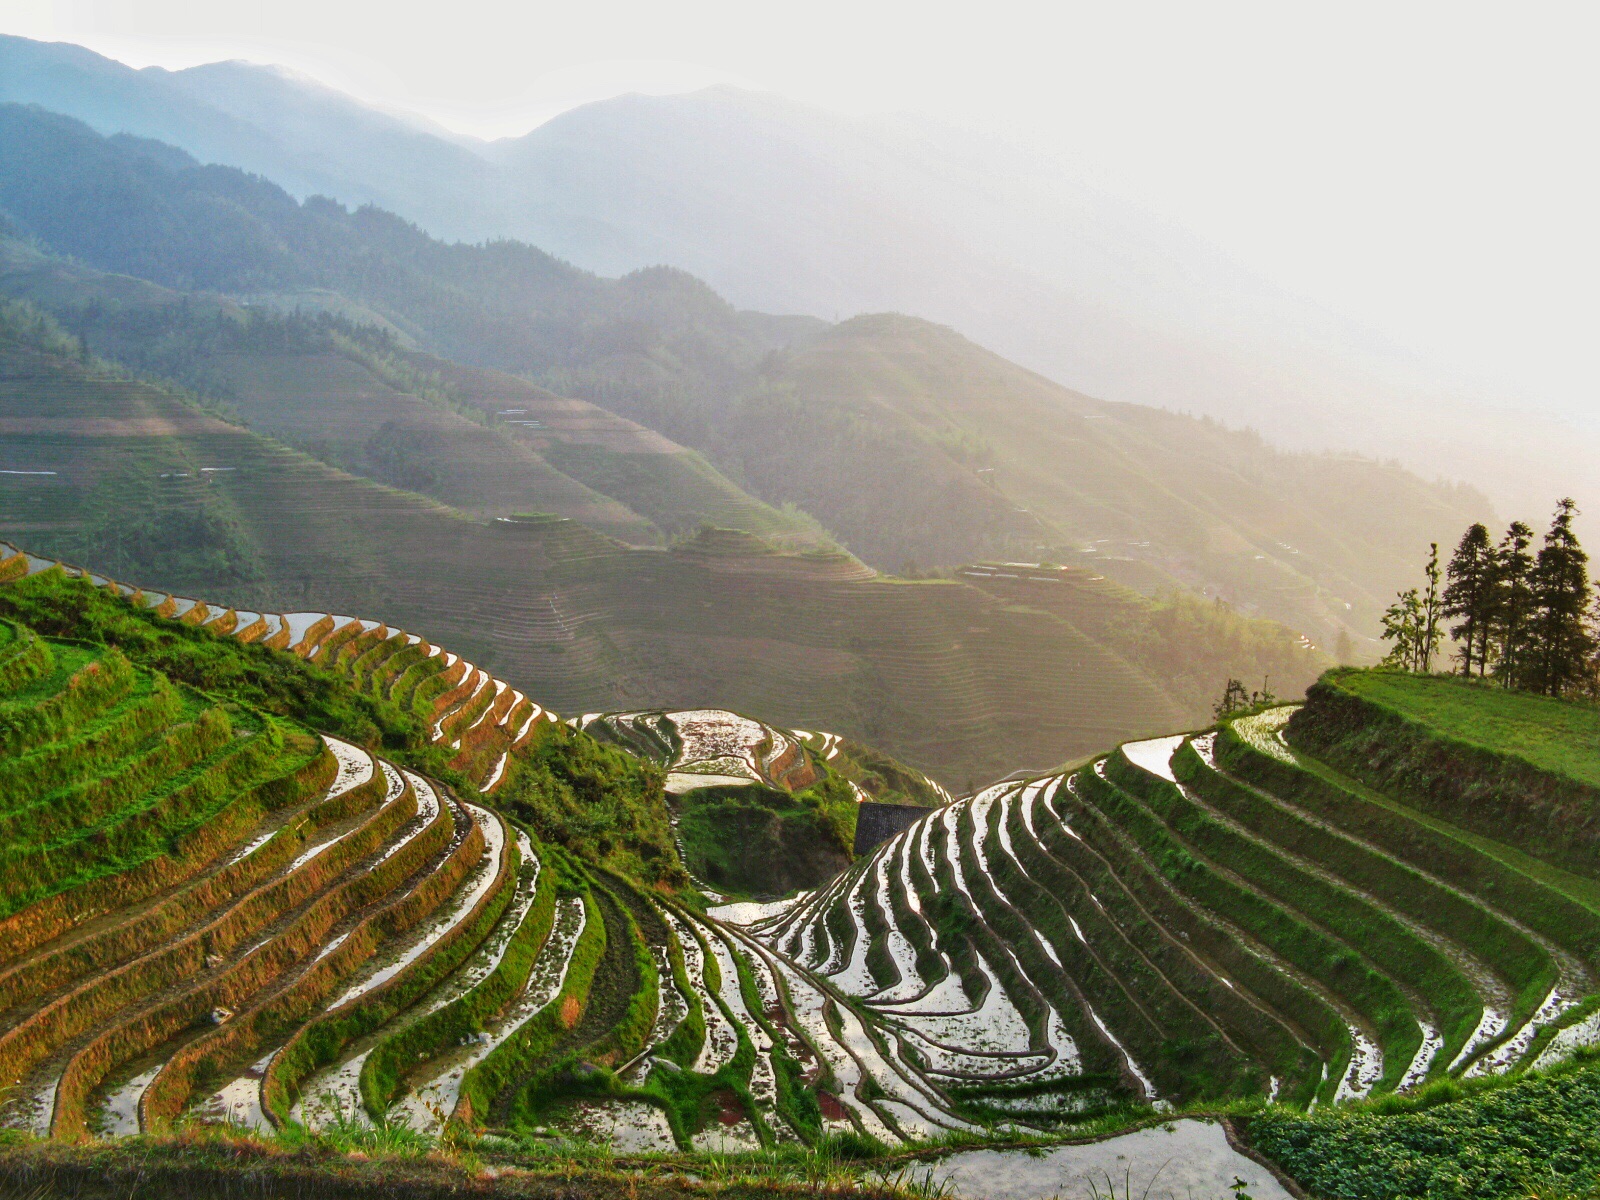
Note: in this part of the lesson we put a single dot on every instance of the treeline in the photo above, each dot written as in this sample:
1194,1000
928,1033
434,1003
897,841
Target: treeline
1528,619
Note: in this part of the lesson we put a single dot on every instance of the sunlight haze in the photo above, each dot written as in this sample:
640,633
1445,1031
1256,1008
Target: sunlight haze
1423,170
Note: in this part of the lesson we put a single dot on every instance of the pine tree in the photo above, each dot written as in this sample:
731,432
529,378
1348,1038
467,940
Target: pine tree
1514,604
1469,597
1560,642
1234,699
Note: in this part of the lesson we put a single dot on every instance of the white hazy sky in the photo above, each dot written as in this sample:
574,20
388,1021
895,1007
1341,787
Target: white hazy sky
1430,170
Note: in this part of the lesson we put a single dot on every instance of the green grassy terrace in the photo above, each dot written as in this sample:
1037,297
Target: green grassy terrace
1554,735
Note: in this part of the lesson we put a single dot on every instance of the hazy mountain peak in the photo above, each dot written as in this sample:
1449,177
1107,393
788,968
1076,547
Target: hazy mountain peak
258,91
784,207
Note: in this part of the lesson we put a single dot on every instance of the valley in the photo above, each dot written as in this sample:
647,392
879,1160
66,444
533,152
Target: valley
137,478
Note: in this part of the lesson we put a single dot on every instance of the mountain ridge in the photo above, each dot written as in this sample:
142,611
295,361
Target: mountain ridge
778,404
792,208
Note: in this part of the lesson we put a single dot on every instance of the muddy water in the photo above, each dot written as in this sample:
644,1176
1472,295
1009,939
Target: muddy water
1186,1160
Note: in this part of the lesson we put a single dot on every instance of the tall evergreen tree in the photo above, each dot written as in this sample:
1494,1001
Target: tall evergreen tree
1514,604
1560,643
1469,597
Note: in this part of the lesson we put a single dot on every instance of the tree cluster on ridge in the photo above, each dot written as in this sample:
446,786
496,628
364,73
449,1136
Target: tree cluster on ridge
1526,619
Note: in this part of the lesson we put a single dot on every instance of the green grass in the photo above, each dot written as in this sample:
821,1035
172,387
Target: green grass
467,1014
1366,927
153,704
322,1039
1560,904
688,1098
1555,735
1516,958
264,679
596,801
23,656
755,840
353,1162
1532,1137
1440,748
1133,957
1107,848
1336,964
522,1054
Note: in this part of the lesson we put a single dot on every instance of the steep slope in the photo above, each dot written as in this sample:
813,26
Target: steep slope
497,304
258,925
940,674
409,955
255,925
1217,915
266,121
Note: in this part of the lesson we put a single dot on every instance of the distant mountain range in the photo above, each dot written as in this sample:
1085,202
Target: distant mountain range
914,446
785,208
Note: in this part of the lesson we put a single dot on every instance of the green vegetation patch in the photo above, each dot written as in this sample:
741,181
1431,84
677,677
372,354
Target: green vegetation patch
753,840
282,684
597,801
1560,736
467,1014
1520,768
885,779
1534,1137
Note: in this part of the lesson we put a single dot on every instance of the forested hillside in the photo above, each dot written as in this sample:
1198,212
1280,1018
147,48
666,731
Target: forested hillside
950,453
911,443
789,207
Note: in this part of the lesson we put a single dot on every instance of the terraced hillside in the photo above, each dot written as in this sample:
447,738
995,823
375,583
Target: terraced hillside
960,683
482,722
215,914
1194,918
758,810
360,397
271,926
479,719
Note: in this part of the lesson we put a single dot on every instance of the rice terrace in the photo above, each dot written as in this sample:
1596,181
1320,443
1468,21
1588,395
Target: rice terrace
218,917
650,602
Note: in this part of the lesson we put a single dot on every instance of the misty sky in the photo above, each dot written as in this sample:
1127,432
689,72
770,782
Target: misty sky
1428,170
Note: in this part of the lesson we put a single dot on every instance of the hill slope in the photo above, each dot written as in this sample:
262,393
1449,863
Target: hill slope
941,674
790,208
911,443
881,399
1224,914
258,925
263,120
358,396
